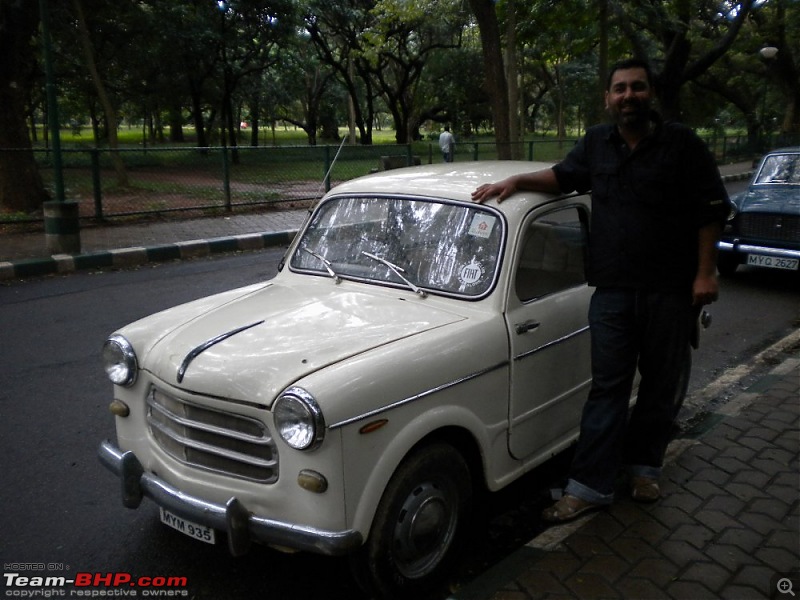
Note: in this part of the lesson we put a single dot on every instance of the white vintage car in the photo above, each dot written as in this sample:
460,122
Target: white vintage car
415,346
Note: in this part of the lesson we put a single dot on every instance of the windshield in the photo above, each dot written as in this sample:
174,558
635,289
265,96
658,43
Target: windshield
437,247
780,168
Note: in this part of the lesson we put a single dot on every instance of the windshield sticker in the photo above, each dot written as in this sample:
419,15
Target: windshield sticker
482,225
471,274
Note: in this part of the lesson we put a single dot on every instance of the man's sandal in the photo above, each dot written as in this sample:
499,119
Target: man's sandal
568,508
644,489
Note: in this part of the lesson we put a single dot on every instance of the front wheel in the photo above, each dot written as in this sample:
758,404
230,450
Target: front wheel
414,537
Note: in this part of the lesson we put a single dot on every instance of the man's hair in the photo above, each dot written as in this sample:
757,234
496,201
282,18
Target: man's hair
631,63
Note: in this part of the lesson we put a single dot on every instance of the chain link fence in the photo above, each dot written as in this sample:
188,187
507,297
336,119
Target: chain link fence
131,183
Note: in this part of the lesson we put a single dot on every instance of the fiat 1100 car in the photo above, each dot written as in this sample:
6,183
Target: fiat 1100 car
763,228
414,348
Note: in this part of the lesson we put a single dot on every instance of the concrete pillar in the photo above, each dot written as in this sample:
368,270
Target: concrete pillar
62,230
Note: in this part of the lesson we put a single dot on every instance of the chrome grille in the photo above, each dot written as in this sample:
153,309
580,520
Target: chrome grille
212,439
767,226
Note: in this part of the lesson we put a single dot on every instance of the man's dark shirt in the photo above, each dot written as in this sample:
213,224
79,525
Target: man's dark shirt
647,205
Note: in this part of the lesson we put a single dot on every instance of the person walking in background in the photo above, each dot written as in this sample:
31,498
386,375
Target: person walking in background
658,206
448,144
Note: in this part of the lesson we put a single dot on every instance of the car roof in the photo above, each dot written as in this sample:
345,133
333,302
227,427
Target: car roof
792,150
452,181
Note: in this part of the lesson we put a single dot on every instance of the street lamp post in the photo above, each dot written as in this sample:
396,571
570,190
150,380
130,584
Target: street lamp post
768,54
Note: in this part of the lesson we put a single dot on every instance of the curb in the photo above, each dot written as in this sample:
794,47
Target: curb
737,177
129,257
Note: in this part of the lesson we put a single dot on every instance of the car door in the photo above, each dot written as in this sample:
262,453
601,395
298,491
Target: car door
547,320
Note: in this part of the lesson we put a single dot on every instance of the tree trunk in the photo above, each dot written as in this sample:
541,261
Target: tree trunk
595,109
496,86
21,186
197,117
176,124
102,96
787,72
516,131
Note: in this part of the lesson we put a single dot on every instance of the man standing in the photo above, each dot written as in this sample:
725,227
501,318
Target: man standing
658,205
448,144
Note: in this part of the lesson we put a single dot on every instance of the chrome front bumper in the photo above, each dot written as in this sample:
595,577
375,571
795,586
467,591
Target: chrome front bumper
233,518
762,250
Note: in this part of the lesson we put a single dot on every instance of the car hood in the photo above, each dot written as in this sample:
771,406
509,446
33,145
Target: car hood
252,347
772,199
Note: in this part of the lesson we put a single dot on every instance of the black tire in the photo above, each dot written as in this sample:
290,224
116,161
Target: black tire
727,264
415,534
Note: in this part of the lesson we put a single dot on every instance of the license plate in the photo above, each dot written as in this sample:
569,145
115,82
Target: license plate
772,262
194,530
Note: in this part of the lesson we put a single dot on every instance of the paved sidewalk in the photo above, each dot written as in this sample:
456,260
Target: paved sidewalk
728,525
114,245
24,254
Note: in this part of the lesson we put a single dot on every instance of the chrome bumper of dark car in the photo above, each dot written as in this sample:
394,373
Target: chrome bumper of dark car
233,518
762,250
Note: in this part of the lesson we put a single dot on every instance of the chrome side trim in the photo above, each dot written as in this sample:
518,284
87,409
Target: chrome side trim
241,526
552,343
206,345
419,396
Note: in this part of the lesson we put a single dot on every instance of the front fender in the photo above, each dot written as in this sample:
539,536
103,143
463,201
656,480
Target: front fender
364,487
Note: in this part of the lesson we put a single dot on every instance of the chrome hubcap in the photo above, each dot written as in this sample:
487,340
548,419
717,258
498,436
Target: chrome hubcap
424,529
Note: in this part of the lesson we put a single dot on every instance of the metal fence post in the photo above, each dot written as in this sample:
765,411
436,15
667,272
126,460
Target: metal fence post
97,190
226,179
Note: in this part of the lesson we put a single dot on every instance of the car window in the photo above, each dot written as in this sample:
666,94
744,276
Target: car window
441,247
552,255
780,168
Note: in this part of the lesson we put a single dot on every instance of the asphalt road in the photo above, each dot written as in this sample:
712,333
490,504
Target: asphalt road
61,510
60,507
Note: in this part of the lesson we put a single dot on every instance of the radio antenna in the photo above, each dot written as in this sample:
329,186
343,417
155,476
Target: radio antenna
333,162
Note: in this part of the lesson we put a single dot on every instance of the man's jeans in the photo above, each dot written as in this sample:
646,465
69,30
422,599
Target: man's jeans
630,326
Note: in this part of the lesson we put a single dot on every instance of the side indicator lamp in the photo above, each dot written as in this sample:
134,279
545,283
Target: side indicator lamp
119,408
373,426
312,481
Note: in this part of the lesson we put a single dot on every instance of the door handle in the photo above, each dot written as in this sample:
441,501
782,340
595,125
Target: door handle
526,326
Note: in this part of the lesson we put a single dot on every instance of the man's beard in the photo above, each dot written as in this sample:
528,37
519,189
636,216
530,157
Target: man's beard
633,115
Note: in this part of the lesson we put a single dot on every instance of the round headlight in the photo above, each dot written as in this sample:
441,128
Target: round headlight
298,419
119,361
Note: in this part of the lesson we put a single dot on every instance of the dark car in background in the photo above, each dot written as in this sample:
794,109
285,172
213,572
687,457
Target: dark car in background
763,229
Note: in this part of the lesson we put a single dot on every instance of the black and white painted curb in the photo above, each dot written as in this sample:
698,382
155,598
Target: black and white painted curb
129,257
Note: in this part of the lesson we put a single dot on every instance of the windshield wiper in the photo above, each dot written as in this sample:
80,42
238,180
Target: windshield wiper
397,271
326,262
